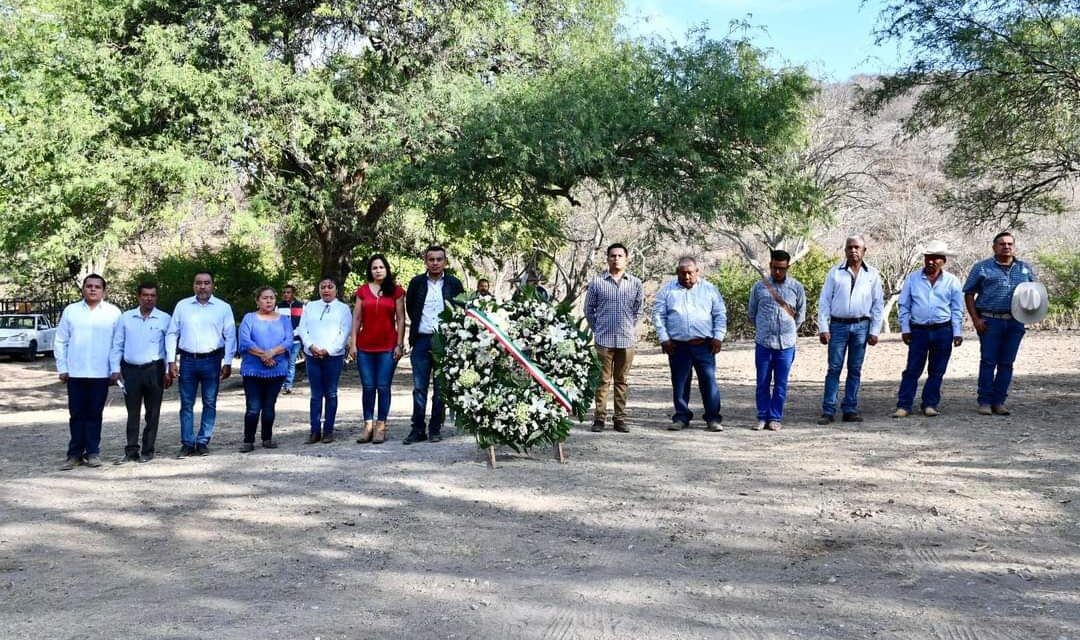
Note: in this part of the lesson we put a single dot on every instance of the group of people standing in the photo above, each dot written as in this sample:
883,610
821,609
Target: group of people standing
145,350
690,318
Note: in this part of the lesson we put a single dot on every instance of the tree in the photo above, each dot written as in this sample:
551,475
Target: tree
1002,76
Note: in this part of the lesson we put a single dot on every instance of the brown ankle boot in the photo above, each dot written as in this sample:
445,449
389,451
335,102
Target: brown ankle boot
380,433
365,435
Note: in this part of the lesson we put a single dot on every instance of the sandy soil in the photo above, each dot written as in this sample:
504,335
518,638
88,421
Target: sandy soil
960,527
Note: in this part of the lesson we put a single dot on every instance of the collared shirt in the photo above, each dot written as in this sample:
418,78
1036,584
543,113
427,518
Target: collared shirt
201,328
689,314
993,284
433,306
925,303
845,295
774,328
326,325
613,308
138,340
84,339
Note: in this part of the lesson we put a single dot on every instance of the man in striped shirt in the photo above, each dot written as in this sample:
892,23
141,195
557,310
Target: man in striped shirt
614,304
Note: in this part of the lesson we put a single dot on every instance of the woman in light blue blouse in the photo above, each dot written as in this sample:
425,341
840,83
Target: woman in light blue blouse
265,338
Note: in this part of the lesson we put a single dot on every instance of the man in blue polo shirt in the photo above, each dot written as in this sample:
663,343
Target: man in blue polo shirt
988,295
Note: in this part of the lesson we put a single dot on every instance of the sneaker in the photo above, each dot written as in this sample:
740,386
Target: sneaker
92,461
715,425
70,463
852,417
677,425
202,449
597,426
286,390
985,410
1000,410
901,413
760,425
126,459
185,451
826,418
621,427
247,447
774,426
930,412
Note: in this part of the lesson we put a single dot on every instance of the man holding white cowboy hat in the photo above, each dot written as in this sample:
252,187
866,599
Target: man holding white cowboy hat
1001,296
931,324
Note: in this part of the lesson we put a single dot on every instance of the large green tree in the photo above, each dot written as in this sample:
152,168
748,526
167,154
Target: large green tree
1004,77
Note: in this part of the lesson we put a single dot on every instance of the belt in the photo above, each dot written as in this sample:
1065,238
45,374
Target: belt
693,341
996,316
216,353
930,327
147,365
848,320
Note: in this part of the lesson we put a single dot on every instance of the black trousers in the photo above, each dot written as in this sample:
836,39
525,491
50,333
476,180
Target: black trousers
143,385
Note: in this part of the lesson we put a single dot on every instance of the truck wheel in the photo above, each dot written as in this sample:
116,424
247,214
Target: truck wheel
31,351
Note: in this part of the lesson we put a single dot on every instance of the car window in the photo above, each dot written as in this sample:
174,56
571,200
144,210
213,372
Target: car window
42,324
16,322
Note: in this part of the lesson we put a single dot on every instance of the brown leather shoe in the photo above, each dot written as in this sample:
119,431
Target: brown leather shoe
597,426
328,437
1000,410
621,427
378,436
367,433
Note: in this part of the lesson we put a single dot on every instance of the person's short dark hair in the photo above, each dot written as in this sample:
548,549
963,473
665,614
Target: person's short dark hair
331,278
104,285
388,284
202,271
434,247
483,280
1003,234
779,255
617,245
145,285
288,287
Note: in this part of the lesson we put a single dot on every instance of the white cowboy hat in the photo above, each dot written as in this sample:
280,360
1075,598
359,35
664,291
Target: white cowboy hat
937,248
1030,302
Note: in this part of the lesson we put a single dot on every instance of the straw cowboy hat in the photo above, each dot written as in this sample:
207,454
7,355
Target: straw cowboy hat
1030,302
937,248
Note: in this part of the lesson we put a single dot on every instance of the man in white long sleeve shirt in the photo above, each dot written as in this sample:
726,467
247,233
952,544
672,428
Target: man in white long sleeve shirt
850,314
81,350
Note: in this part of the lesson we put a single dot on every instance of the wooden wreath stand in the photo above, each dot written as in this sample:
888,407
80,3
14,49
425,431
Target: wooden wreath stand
560,455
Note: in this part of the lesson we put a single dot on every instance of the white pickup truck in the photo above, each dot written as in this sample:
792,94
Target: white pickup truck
26,335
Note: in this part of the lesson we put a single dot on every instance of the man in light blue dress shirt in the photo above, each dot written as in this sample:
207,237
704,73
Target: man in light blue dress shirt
691,321
81,351
931,324
777,307
850,316
138,359
202,335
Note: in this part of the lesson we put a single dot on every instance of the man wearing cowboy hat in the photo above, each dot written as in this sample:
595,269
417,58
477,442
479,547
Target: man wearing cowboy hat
1001,301
931,324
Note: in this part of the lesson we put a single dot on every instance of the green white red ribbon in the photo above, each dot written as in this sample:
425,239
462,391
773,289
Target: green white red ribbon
515,352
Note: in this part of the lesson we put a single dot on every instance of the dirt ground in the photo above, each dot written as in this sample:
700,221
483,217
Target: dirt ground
961,527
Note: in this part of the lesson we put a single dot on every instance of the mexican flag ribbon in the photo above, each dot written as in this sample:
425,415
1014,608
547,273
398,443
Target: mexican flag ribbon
515,352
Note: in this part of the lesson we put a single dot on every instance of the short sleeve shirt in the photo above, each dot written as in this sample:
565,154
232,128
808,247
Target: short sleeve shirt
377,331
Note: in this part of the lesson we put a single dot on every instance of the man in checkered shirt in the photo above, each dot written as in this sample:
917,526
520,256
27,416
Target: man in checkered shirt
614,304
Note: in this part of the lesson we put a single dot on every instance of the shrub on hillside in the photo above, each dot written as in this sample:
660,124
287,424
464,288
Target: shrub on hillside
1061,274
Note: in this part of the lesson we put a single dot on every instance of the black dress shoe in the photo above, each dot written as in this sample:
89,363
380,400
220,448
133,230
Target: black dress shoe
435,438
269,444
826,418
313,438
597,426
852,417
247,447
146,457
328,437
185,451
414,437
202,449
621,427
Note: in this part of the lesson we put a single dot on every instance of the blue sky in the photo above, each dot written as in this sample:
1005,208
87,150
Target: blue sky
832,38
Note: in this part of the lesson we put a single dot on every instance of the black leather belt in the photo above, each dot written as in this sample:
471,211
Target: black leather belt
155,363
216,353
848,320
929,327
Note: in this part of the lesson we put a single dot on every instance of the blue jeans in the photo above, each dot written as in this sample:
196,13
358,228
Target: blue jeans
850,338
323,376
422,367
193,373
261,395
86,403
773,367
290,373
699,358
997,352
935,344
376,370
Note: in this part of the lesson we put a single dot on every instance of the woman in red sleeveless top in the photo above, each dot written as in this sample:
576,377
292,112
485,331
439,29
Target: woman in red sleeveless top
378,341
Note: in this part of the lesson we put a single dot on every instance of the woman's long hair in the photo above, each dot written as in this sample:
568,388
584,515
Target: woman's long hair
388,285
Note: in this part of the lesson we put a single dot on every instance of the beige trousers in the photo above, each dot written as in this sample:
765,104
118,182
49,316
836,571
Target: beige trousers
616,364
